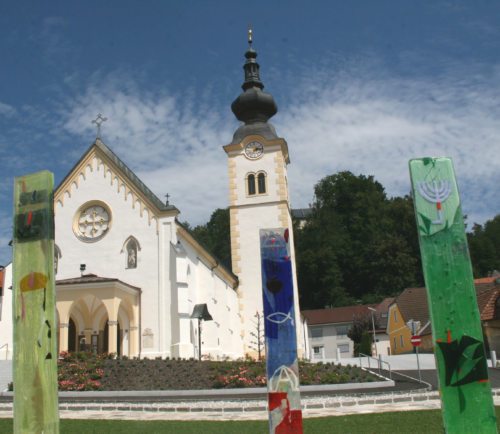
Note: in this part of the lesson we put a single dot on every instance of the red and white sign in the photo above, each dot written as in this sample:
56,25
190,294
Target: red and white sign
416,341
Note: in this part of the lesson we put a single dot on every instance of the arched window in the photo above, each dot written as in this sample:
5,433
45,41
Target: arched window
131,247
251,184
261,182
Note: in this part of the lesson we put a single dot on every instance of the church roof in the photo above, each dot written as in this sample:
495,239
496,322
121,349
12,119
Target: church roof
301,213
132,177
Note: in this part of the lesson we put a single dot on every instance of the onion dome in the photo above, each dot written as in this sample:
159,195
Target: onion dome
254,106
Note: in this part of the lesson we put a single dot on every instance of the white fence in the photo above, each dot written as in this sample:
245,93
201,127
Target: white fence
400,362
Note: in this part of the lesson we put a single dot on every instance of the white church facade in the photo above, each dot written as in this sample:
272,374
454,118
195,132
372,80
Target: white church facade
129,275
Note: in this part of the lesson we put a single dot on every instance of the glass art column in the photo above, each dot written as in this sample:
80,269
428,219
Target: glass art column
467,403
285,415
35,328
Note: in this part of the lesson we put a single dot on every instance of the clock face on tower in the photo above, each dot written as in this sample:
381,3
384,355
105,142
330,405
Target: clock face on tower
254,150
92,221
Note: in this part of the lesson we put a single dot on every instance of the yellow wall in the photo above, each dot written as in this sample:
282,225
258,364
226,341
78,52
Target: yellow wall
399,333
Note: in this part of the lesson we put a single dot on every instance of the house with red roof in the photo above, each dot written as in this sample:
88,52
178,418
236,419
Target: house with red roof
411,305
327,329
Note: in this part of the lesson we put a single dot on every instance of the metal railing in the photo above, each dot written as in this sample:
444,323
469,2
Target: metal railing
379,363
6,351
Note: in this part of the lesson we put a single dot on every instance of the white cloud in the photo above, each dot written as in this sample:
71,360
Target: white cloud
172,142
6,109
362,122
376,126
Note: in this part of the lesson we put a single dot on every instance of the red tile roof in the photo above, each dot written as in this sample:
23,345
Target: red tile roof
486,301
382,313
490,279
412,303
495,279
335,314
344,314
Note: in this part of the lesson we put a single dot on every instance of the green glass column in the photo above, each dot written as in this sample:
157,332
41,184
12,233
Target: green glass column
34,315
466,398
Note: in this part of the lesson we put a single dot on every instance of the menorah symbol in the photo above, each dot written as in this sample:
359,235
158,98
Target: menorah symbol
436,192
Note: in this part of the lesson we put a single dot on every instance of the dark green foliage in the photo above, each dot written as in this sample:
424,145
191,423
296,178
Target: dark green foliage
360,334
484,246
358,245
359,325
215,236
365,346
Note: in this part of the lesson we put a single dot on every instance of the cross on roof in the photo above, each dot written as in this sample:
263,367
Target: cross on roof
167,196
98,121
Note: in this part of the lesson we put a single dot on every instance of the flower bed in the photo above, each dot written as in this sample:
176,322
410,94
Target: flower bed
85,371
80,371
171,374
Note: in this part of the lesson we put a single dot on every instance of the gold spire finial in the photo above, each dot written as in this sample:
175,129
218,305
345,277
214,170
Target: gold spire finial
250,35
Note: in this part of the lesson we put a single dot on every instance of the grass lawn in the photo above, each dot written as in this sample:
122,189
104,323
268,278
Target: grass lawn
402,422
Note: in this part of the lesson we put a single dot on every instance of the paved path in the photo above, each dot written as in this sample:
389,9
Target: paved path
430,376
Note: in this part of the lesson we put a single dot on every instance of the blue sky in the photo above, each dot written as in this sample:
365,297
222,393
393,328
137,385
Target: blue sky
361,86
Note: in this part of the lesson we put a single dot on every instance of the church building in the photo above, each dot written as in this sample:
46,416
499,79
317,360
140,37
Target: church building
130,278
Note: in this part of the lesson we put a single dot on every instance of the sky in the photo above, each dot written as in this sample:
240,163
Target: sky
362,86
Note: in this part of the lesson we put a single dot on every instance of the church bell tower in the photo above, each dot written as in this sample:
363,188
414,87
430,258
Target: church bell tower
258,195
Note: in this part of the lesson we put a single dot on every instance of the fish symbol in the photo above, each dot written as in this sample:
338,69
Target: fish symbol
279,317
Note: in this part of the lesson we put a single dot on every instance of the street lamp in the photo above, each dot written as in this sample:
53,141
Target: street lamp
373,325
200,312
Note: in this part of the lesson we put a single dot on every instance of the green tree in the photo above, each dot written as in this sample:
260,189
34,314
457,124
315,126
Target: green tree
358,245
215,236
360,333
484,246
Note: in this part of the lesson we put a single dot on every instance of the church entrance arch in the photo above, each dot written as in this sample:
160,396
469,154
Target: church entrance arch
104,313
